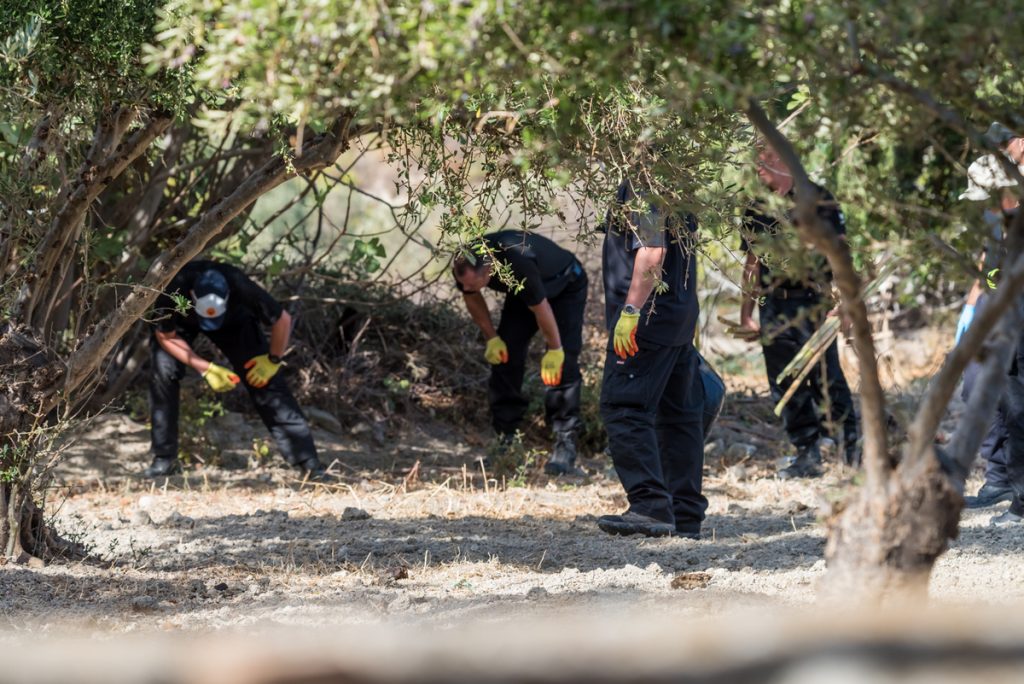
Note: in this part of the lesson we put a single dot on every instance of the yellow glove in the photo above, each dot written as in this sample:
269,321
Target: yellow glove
496,352
261,370
551,367
220,379
624,341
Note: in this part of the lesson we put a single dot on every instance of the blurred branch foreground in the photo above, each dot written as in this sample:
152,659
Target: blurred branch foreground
937,646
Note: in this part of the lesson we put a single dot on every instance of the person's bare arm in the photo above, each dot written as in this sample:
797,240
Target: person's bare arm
477,307
547,324
646,272
181,351
751,283
280,333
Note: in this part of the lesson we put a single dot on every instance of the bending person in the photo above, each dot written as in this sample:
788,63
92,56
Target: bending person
229,309
550,296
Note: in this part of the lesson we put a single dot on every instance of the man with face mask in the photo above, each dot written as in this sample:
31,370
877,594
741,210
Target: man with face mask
230,309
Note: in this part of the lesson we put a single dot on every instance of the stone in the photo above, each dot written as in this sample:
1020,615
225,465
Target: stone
323,419
144,604
140,517
401,603
738,472
739,451
537,593
352,513
176,519
691,580
713,448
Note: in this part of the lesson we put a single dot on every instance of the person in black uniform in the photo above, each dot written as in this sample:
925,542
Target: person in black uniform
552,298
229,309
651,397
791,308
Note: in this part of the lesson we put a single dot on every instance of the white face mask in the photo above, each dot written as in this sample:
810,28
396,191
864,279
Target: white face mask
211,305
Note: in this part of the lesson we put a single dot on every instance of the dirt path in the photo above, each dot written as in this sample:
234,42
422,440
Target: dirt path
252,547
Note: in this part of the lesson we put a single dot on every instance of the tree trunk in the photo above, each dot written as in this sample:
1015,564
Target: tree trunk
26,372
887,551
884,540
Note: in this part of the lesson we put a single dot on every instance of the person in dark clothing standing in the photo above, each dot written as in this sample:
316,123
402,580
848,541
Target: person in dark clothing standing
550,295
988,181
651,398
791,308
985,179
229,309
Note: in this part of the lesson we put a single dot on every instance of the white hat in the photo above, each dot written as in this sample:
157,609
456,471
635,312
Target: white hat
984,175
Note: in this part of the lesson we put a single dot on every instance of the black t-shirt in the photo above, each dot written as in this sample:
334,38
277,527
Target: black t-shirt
761,230
674,317
246,300
542,267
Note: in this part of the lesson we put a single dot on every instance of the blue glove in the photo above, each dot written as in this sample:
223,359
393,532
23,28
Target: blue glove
966,316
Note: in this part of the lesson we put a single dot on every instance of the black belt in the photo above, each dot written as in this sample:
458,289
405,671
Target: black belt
801,293
570,272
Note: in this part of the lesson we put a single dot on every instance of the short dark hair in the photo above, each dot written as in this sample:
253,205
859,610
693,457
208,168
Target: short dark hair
469,261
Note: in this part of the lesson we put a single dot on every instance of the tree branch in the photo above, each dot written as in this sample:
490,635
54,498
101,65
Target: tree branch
318,153
877,464
45,274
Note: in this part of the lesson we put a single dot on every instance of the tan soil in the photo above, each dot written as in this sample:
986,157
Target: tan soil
253,547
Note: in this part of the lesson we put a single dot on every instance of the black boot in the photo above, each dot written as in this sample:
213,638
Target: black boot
1011,518
162,466
313,470
562,460
989,495
804,465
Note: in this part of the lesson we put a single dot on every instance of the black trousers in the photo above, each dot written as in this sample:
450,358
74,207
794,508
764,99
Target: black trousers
652,407
994,448
1014,421
517,327
790,323
274,402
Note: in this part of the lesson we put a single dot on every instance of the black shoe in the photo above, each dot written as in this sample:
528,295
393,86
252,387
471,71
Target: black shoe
687,533
804,465
1007,519
562,460
852,453
162,466
989,495
635,523
314,471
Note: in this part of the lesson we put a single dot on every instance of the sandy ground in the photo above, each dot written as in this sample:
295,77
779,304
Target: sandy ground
248,548
411,535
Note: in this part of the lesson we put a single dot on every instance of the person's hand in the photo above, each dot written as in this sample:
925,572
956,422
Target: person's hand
966,317
220,379
551,367
624,336
750,327
845,322
496,352
261,370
